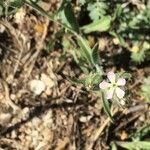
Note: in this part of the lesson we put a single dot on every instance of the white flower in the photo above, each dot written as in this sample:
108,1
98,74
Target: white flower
113,87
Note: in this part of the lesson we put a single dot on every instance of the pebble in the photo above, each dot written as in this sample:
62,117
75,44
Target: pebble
13,96
142,118
85,118
37,86
36,121
13,134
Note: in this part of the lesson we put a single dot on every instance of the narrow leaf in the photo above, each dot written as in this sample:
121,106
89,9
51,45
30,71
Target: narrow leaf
87,51
113,146
106,106
135,145
75,80
69,14
119,37
141,133
117,12
100,25
95,55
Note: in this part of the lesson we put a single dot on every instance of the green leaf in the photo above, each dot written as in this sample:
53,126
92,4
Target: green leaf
1,10
143,145
16,3
113,146
146,92
92,79
138,57
97,9
75,80
117,12
96,79
95,55
125,75
100,25
119,37
140,133
78,60
69,14
87,51
146,88
50,45
106,106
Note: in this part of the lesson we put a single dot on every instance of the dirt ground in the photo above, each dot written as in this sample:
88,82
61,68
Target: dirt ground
57,115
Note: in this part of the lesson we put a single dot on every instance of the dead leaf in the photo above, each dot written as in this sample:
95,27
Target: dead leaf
39,28
123,135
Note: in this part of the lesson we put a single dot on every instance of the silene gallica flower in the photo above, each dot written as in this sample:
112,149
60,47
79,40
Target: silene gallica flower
114,86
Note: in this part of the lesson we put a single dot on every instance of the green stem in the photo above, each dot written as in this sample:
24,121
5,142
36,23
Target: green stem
79,38
44,13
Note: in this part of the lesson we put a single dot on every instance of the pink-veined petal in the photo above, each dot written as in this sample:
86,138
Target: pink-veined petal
104,85
121,82
120,93
111,76
109,93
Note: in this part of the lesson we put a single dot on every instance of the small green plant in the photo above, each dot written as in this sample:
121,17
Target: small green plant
137,143
97,9
87,58
142,52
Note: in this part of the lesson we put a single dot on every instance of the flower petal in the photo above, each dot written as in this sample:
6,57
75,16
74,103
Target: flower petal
120,93
104,85
109,93
121,82
111,76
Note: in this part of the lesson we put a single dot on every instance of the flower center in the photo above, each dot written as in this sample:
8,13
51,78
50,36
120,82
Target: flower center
114,85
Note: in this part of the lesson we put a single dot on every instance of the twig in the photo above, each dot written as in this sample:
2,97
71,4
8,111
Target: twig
98,132
8,100
16,40
35,55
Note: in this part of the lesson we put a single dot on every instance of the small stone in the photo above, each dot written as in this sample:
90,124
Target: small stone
13,96
142,118
37,86
85,118
13,134
36,121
